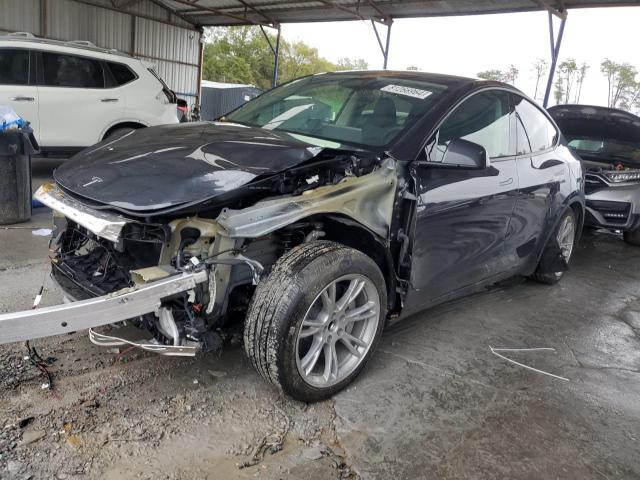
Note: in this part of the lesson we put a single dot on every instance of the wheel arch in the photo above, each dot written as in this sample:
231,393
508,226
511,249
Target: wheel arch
349,232
128,124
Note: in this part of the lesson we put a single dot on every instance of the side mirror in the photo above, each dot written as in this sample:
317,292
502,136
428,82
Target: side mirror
465,154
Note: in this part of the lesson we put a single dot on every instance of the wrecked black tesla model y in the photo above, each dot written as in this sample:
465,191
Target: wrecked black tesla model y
314,214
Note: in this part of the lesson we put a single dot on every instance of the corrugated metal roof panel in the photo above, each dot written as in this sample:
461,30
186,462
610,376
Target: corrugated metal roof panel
20,16
157,40
74,21
235,12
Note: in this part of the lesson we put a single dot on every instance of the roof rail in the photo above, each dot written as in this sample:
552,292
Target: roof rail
84,43
21,34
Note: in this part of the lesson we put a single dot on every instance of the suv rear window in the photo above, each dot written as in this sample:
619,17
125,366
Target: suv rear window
121,74
14,66
71,71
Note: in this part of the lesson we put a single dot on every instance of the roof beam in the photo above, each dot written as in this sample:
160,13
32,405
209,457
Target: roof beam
259,12
560,13
202,8
172,11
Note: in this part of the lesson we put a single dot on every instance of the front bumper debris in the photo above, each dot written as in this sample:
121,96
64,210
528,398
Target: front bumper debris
94,312
104,224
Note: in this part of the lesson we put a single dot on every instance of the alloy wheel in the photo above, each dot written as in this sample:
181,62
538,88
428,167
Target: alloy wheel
338,330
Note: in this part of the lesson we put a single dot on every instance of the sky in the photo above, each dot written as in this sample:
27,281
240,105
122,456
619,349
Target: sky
468,45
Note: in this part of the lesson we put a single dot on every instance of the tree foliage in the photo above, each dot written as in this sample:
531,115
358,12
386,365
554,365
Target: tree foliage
508,76
623,85
243,55
539,68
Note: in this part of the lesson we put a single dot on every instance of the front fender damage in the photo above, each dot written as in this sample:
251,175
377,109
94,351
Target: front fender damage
367,199
199,263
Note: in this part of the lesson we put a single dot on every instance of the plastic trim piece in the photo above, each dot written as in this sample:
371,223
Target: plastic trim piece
103,224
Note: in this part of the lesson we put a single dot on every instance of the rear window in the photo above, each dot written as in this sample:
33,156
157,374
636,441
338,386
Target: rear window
71,71
14,67
535,131
120,73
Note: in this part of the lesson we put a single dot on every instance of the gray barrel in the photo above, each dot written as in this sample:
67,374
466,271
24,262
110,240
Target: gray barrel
16,148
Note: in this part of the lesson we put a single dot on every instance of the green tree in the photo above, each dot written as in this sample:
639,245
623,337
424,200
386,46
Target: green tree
352,64
567,71
497,75
509,75
539,68
582,73
242,55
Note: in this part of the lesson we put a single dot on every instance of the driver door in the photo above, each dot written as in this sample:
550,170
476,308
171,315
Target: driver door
463,213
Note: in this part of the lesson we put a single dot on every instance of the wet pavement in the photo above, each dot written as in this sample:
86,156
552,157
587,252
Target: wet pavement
434,402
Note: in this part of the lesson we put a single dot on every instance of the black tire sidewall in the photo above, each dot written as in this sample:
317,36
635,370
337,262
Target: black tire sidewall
310,281
551,278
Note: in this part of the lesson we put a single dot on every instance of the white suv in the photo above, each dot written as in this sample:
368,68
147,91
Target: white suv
75,94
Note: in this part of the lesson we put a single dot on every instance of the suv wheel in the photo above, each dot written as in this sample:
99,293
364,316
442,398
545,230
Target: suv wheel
315,320
563,240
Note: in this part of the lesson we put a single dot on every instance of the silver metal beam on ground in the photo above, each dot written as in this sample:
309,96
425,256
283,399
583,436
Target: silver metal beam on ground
94,312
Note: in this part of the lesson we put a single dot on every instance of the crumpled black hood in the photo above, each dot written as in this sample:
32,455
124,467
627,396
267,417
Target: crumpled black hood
161,167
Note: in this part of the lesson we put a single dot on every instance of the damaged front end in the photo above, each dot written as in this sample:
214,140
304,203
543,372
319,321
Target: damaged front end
185,275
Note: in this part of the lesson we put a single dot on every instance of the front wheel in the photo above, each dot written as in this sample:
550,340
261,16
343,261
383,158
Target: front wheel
315,320
560,245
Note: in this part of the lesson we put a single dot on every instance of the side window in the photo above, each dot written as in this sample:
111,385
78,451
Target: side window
534,131
485,119
120,73
71,71
14,66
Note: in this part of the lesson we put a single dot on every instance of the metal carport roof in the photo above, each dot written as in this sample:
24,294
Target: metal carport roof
273,12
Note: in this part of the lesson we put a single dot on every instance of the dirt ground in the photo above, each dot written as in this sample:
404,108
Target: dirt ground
433,403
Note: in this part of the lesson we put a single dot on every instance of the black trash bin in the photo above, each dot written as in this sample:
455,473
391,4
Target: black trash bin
16,148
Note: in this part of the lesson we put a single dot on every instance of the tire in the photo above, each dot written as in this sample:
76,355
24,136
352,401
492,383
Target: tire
632,237
300,287
550,278
118,132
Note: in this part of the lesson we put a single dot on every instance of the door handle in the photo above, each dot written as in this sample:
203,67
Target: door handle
506,182
21,98
108,100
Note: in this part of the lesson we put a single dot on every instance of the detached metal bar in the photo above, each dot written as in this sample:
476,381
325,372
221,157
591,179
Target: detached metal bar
276,53
94,312
555,52
383,48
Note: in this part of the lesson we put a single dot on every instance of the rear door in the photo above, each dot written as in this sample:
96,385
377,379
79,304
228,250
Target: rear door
463,215
75,106
541,171
18,88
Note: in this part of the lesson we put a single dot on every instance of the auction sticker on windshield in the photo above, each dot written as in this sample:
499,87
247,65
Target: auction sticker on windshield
407,91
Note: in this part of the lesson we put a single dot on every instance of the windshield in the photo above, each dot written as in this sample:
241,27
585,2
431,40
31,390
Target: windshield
614,149
369,111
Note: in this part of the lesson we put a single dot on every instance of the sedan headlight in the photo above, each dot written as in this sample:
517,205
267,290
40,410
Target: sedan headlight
623,176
